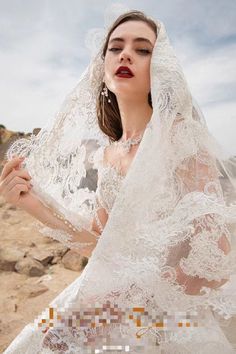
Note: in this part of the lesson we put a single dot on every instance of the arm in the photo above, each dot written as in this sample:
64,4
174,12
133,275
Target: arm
82,239
16,189
207,259
193,284
205,262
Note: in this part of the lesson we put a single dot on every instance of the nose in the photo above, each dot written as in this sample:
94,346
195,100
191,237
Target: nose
125,56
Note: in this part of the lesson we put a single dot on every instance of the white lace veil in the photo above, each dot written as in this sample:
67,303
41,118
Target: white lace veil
173,213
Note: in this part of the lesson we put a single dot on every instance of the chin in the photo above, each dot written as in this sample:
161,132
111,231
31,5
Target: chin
125,94
124,89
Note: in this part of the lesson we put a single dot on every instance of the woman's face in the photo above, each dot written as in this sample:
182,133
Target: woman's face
130,45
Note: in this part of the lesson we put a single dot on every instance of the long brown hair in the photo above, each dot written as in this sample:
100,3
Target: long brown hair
109,119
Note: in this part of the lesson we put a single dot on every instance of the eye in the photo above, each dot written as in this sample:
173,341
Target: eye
144,51
114,49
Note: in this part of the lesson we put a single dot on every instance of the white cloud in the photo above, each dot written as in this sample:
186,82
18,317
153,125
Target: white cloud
221,120
43,54
37,71
212,80
211,73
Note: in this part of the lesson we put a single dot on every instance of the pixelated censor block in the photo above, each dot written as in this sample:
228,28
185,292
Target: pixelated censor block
111,326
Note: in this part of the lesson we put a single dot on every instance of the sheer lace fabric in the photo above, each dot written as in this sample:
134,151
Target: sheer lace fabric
110,179
169,228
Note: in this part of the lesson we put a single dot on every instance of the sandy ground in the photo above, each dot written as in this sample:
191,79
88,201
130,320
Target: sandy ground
16,308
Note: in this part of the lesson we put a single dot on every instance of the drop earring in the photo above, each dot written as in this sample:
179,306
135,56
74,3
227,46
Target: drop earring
104,93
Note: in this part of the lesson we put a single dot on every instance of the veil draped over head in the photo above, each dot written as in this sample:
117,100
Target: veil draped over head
172,213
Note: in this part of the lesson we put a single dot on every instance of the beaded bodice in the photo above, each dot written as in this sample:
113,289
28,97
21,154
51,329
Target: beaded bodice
108,185
109,181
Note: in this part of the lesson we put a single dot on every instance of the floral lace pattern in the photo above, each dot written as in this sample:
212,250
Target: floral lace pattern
109,182
168,219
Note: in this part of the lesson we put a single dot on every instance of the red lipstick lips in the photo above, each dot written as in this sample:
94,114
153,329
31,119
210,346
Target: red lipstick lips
124,71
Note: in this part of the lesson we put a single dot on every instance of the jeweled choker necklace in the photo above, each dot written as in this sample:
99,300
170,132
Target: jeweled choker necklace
126,145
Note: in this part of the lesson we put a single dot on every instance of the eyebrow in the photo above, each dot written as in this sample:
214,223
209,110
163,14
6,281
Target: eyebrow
138,39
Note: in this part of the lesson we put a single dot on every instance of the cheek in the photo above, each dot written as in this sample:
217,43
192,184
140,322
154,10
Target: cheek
144,75
108,62
148,74
148,67
108,68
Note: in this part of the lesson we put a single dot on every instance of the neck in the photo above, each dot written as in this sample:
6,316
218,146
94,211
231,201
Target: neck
134,116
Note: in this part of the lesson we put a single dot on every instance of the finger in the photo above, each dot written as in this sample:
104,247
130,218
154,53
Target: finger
23,173
15,173
17,189
15,181
9,166
12,185
13,178
14,195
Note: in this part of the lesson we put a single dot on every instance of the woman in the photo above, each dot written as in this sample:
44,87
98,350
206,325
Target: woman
128,174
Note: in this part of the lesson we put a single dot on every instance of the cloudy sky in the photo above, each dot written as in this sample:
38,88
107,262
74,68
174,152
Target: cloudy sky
43,53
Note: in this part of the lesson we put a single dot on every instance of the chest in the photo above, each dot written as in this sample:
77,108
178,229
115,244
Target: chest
117,158
112,170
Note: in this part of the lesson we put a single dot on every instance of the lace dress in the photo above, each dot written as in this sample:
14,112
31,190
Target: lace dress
68,340
110,179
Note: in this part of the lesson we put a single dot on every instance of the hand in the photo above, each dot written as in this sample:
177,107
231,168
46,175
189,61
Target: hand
87,251
15,183
192,285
